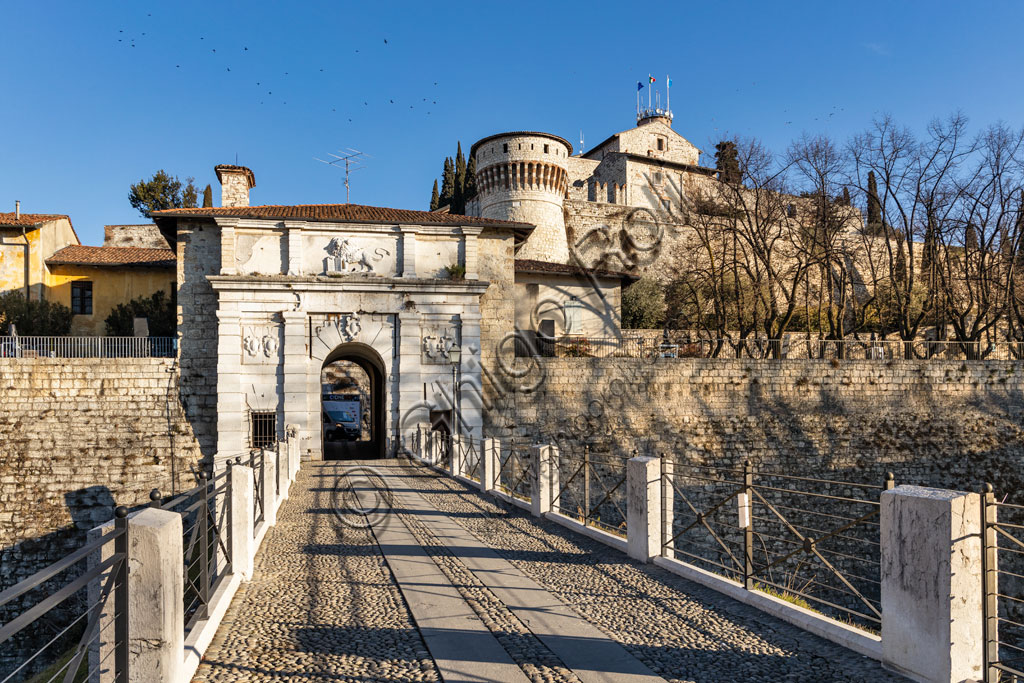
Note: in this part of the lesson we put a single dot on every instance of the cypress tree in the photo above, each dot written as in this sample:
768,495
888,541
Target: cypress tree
469,190
459,196
434,198
207,197
874,205
447,183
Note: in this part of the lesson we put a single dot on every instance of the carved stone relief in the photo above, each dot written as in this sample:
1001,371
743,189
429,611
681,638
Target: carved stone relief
347,325
260,344
437,343
343,257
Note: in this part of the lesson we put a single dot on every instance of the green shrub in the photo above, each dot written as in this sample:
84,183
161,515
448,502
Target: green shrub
456,271
159,309
33,318
643,305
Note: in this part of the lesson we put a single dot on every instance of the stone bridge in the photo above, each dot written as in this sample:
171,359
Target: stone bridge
392,571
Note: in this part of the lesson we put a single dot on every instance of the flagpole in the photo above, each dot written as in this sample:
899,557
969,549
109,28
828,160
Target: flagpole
668,94
649,88
638,101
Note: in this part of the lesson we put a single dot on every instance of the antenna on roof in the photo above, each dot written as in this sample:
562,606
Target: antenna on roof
353,159
581,142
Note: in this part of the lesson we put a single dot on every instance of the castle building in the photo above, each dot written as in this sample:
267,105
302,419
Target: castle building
570,271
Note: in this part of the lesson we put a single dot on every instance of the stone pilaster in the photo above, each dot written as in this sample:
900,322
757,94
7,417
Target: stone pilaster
296,368
472,254
408,384
294,237
232,427
227,247
408,265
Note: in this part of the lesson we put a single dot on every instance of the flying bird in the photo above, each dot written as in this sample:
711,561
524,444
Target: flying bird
385,41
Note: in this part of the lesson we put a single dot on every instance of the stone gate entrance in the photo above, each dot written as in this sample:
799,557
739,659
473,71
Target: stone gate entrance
268,295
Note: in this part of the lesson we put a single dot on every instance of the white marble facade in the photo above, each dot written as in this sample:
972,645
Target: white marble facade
292,295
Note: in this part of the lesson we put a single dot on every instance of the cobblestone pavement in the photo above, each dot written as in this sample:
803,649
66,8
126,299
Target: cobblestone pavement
681,630
323,604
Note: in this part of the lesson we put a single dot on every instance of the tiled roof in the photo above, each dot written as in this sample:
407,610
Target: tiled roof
344,213
78,255
27,219
531,266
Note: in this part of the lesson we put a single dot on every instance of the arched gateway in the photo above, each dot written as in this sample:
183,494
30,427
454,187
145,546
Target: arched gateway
368,416
268,295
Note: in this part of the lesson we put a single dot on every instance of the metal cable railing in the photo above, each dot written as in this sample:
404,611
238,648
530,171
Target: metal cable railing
470,459
55,607
515,471
256,463
88,347
813,542
1003,583
591,489
206,540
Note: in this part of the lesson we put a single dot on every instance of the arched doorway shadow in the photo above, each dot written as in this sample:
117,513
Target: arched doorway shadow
371,363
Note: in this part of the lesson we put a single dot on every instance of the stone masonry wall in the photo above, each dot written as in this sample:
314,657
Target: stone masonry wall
950,424
198,256
78,437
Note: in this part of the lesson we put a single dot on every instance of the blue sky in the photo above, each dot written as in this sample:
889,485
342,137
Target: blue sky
101,94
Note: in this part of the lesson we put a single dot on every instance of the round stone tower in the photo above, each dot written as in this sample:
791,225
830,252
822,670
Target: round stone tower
522,177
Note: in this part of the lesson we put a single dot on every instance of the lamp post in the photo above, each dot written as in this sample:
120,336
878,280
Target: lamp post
454,356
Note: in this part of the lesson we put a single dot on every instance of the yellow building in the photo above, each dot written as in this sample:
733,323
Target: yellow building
41,255
26,241
91,281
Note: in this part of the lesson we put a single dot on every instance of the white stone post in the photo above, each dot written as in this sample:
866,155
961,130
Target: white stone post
280,456
643,507
455,461
490,460
242,522
156,617
269,491
294,453
668,506
932,627
545,482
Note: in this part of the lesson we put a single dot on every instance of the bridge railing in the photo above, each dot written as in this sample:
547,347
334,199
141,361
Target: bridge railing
74,621
56,618
590,489
811,541
206,541
1003,578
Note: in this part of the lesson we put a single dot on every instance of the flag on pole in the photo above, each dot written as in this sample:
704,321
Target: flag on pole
639,86
650,78
670,82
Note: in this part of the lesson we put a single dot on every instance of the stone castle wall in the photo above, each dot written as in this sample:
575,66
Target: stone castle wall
78,437
950,424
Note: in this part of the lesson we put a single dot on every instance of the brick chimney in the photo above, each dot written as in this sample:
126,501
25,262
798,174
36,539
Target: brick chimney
235,183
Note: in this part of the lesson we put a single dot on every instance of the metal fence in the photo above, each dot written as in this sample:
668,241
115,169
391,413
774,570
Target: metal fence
88,347
59,611
206,540
1003,581
256,463
812,542
591,489
789,347
515,471
470,450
